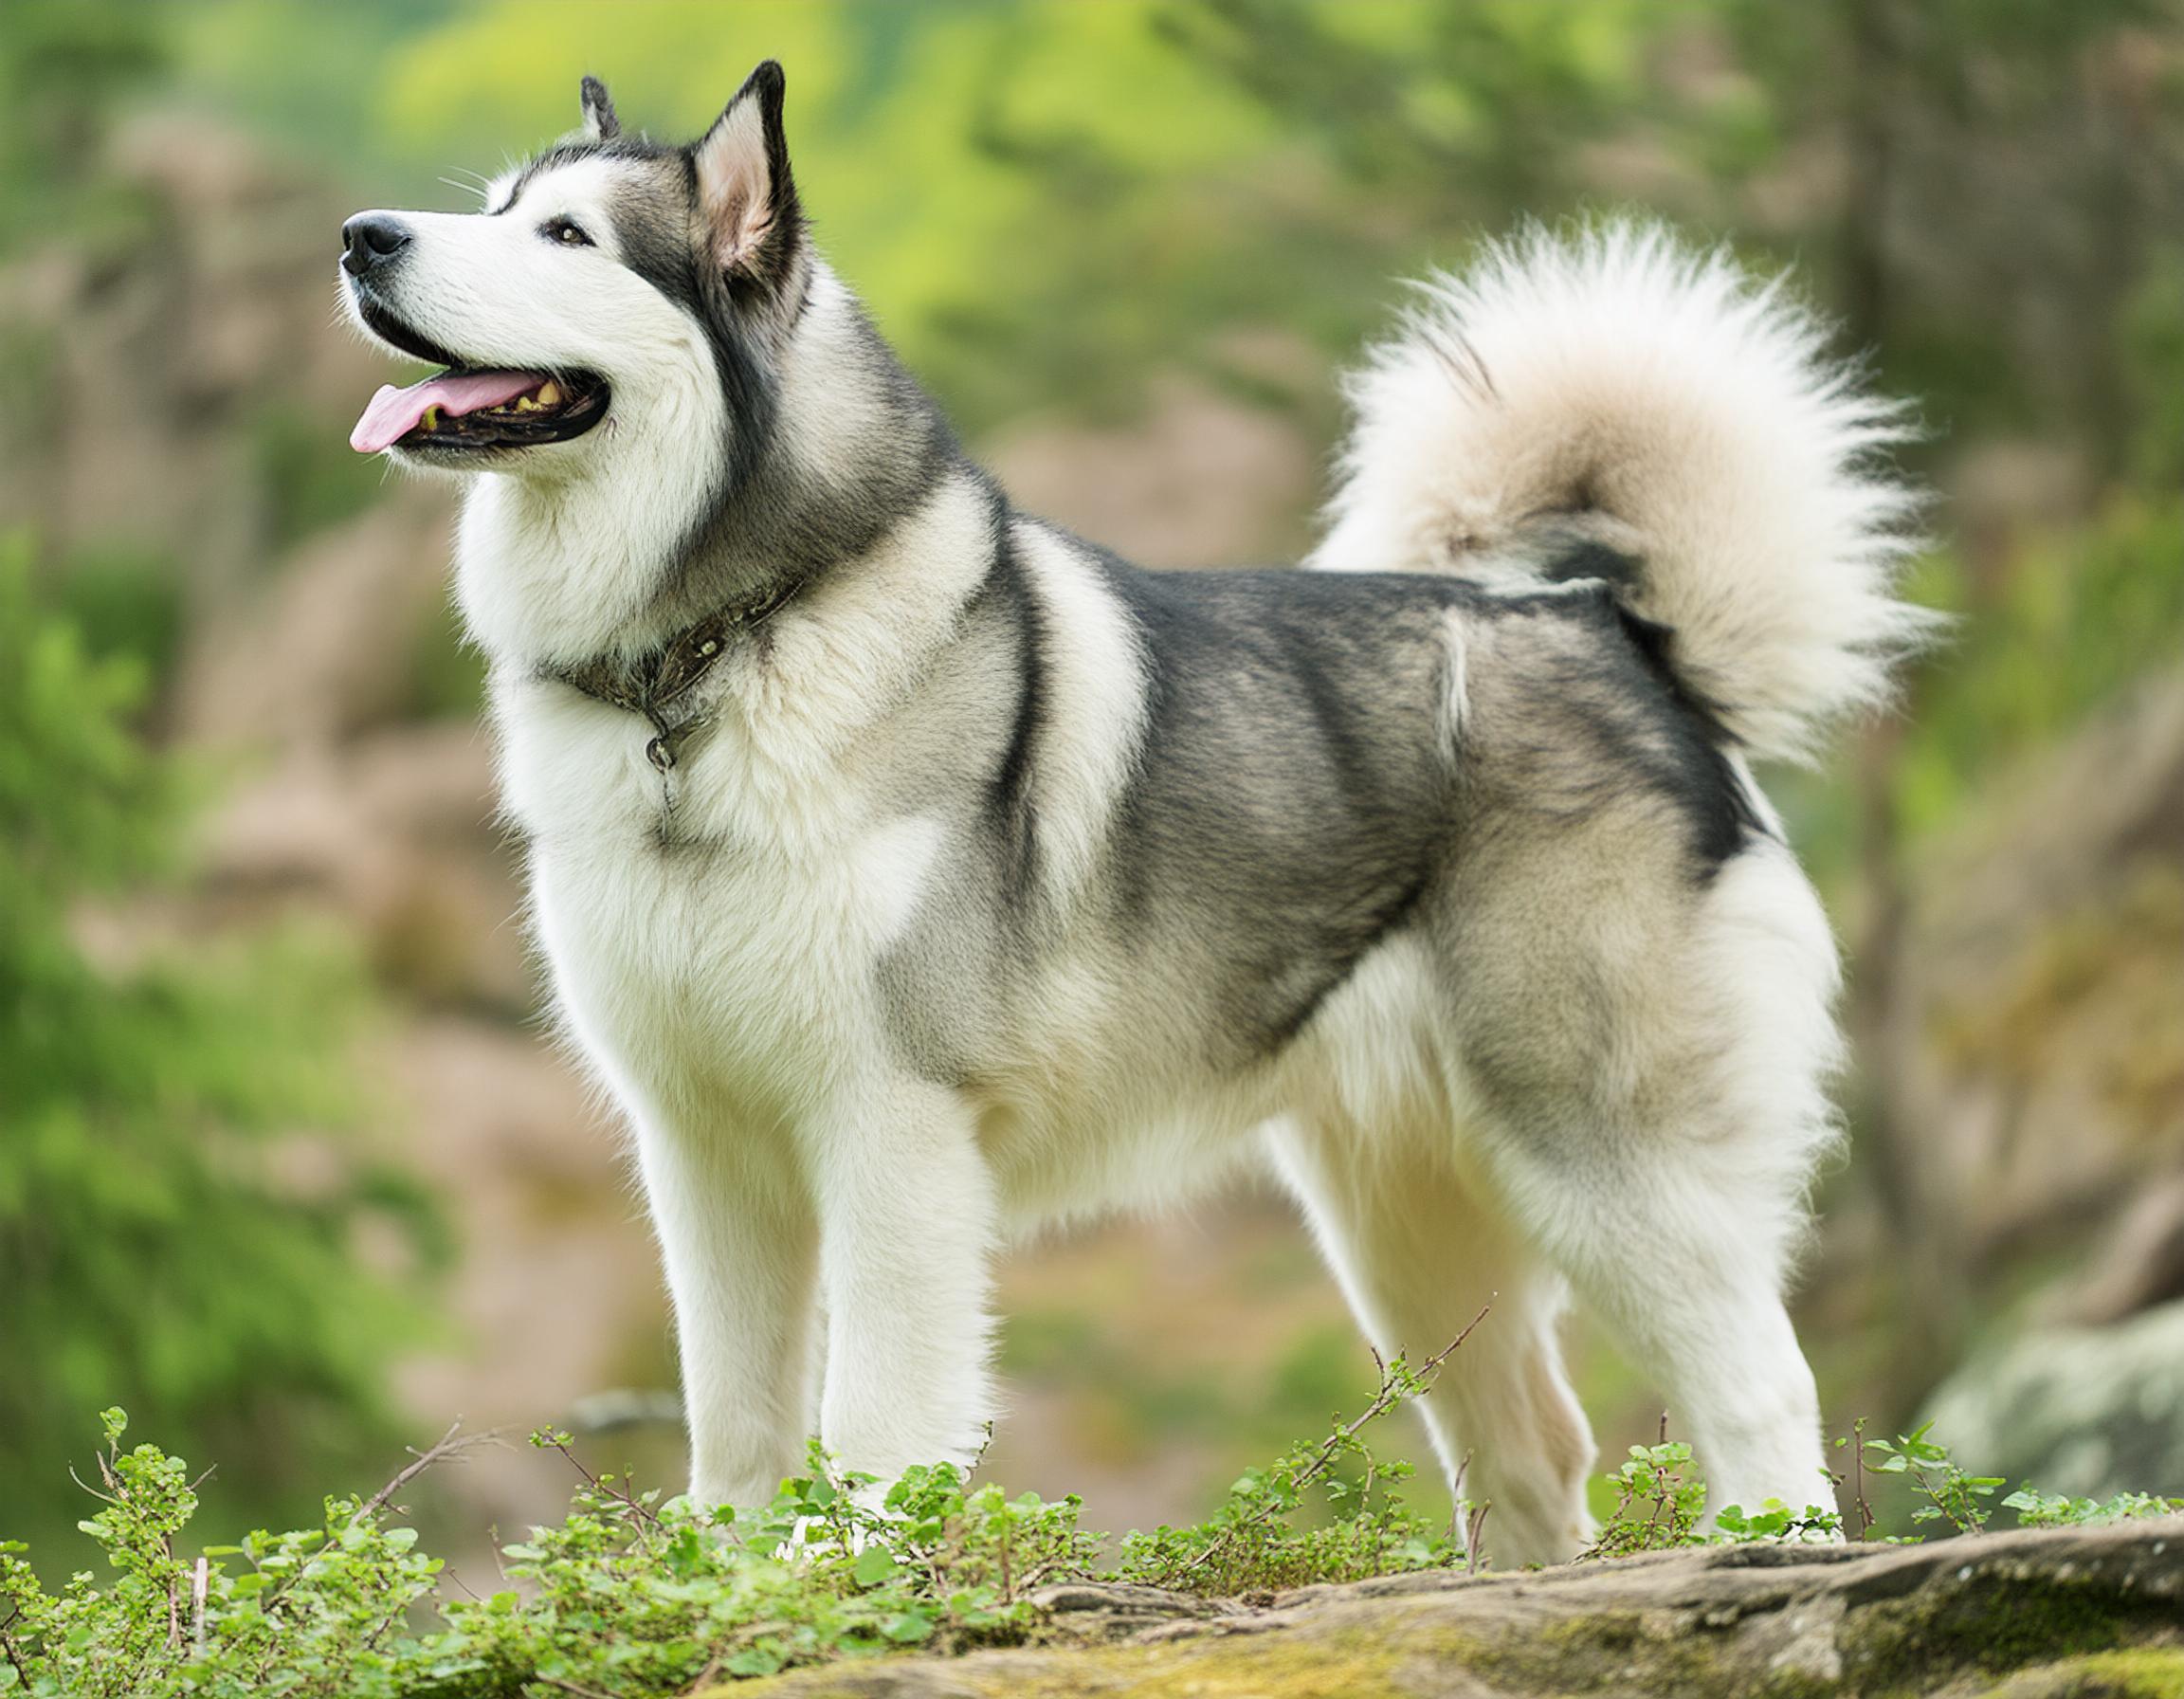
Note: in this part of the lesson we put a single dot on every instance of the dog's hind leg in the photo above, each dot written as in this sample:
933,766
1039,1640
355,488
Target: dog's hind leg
1659,1099
1669,1257
1419,1256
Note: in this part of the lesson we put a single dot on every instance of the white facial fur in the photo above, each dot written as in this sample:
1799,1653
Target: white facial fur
578,528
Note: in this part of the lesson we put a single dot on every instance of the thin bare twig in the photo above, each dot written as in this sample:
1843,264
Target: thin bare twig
1331,1448
445,1446
103,1497
467,1587
1865,1516
704,1679
1474,1531
572,1687
1456,1504
13,1652
647,1517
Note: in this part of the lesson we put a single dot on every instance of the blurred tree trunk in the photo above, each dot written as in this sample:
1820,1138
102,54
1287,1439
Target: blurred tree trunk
2117,93
1919,1225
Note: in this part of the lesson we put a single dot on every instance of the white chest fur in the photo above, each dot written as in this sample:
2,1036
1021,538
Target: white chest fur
735,909
719,925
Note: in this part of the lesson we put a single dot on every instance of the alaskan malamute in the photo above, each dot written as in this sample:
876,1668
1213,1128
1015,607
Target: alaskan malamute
915,873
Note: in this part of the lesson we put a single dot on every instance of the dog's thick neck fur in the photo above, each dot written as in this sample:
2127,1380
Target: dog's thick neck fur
835,448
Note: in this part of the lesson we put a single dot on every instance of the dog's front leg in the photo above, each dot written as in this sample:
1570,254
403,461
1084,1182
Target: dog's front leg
906,1214
739,1237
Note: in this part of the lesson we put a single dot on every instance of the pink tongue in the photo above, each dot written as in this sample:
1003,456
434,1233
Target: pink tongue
395,413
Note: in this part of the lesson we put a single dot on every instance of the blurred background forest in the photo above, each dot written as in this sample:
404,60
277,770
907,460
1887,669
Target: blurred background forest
286,1164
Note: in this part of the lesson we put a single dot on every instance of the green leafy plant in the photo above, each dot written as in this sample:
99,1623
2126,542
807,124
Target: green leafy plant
630,1594
1660,1504
1952,1493
1660,1501
310,1612
2037,1510
1775,1520
638,1596
634,1594
1262,1535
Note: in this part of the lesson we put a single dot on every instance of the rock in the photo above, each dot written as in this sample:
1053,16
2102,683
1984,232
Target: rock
2140,1262
2087,1411
327,647
2039,967
394,833
2052,1613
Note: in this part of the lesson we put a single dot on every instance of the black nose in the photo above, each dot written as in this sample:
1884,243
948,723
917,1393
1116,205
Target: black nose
371,239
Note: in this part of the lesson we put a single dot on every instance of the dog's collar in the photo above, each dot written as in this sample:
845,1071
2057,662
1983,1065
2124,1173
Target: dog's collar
659,685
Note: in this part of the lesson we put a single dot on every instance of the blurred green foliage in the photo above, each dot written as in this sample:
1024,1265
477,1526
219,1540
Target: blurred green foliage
2077,615
124,602
311,478
163,1237
64,66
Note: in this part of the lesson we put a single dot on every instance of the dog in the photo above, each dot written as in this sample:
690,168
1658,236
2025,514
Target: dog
913,873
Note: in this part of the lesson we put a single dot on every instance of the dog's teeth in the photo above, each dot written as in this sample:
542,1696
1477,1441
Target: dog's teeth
525,405
431,419
548,394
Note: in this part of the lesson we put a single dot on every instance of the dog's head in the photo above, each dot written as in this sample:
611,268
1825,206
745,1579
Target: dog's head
615,299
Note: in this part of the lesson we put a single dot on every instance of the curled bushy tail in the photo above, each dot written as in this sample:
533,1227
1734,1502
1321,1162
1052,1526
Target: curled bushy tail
1613,388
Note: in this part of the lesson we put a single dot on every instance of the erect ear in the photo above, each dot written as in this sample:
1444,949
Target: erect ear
745,196
600,124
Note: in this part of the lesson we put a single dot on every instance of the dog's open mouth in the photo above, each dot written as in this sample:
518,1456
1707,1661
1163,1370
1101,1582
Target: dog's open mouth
470,408
463,409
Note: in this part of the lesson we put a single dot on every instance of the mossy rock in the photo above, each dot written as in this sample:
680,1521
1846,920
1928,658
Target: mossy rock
2025,1616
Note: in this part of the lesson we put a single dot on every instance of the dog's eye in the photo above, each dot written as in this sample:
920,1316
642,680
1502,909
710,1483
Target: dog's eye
566,233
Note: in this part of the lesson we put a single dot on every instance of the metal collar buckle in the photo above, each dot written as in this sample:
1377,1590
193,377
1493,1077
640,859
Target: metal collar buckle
653,686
